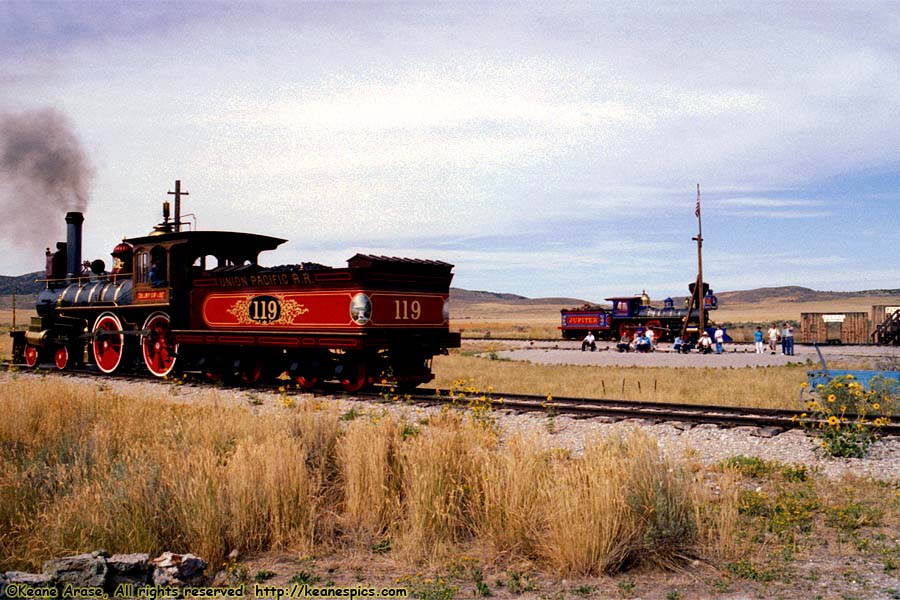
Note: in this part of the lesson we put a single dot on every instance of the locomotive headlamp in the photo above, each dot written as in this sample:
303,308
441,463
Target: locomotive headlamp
360,309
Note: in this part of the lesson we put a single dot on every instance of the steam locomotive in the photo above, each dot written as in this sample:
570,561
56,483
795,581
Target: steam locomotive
185,300
629,313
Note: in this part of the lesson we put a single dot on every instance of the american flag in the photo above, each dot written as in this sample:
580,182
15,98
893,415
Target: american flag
697,209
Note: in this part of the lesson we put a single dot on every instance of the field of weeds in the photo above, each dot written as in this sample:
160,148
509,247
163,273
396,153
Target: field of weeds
442,503
773,387
85,468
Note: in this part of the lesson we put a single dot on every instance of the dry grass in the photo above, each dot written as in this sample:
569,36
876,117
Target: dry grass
93,469
370,473
82,468
717,506
511,486
773,387
620,504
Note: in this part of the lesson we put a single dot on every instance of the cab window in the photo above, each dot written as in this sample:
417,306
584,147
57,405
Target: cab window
142,267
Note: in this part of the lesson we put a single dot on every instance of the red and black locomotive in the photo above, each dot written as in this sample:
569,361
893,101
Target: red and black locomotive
628,313
188,300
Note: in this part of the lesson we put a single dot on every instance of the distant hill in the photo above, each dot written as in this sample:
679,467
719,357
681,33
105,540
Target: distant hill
23,284
795,294
460,296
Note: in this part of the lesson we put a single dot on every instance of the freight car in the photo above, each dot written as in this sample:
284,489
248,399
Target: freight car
628,313
188,300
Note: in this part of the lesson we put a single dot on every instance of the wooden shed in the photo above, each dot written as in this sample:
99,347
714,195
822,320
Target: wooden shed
835,328
880,312
890,333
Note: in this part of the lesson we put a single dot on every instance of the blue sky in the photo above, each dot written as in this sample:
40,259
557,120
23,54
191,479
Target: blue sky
546,149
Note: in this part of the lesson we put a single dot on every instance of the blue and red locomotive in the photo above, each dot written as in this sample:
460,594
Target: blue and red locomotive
628,313
199,301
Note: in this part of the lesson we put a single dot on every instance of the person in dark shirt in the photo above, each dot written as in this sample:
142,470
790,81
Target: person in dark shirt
157,277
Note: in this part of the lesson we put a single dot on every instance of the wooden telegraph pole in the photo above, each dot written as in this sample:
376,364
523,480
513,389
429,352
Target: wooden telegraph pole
697,296
698,289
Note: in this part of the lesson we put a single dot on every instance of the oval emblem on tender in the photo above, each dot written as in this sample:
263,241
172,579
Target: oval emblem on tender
360,309
264,309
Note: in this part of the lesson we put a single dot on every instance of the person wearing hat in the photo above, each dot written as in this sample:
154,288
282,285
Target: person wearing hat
704,344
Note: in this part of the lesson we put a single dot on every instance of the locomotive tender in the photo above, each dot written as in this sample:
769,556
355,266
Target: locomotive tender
190,300
628,313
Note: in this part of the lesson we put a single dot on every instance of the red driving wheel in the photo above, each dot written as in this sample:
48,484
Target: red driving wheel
157,346
61,357
657,328
31,356
250,370
354,377
109,342
306,383
626,327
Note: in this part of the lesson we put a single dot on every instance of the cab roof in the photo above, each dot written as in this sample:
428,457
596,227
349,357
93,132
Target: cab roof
211,242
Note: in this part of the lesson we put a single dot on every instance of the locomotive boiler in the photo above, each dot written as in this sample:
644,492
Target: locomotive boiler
187,300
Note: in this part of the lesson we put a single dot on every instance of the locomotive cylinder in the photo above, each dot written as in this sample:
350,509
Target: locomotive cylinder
37,338
73,244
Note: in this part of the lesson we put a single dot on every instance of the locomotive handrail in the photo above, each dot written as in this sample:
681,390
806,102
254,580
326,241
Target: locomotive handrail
79,278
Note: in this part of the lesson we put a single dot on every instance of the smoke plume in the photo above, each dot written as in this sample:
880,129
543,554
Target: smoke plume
44,173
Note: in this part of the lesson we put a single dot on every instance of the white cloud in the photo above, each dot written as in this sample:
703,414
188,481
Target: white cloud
399,125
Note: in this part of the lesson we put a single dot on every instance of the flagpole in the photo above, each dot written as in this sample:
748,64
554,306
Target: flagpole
698,290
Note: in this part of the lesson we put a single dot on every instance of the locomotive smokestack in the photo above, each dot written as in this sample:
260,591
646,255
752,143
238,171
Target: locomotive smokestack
73,244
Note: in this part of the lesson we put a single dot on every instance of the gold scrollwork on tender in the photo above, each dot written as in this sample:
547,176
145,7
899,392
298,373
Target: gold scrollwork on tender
290,309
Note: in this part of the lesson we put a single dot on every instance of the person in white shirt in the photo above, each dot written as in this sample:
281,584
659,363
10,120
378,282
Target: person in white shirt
650,336
720,338
704,344
589,342
773,338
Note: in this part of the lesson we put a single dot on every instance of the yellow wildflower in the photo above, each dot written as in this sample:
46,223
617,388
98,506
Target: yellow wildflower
832,397
832,420
876,406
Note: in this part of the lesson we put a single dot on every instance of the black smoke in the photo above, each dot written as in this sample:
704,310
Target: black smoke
44,173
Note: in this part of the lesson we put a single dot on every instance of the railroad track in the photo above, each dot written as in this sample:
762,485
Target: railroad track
581,408
723,416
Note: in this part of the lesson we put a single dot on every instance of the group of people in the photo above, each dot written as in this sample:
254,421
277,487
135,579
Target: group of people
643,340
785,335
706,344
